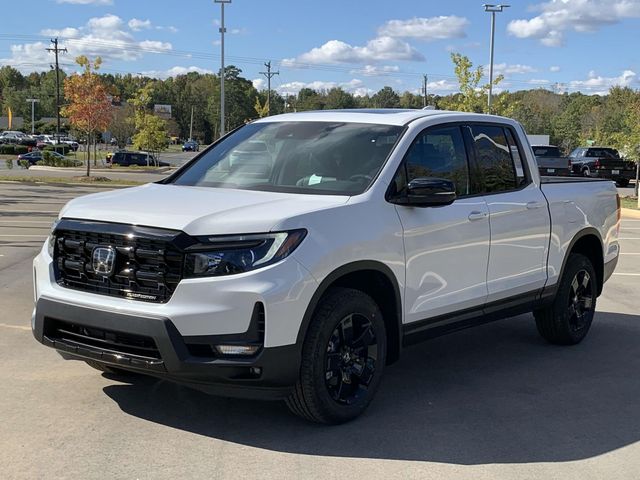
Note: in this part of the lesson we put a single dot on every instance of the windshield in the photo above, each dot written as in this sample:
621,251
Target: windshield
298,157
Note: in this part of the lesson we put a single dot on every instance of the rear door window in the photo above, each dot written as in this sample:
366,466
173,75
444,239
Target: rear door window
495,167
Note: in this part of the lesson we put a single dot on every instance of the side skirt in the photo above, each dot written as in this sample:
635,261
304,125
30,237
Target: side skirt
421,330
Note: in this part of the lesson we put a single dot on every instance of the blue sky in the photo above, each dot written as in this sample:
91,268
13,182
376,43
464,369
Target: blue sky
361,45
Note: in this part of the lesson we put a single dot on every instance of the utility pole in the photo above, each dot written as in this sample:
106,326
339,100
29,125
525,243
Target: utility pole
222,31
493,9
191,125
57,50
269,74
33,102
424,90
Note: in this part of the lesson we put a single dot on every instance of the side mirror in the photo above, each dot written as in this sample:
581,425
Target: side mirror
428,192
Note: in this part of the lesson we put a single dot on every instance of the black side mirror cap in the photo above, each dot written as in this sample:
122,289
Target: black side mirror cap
428,192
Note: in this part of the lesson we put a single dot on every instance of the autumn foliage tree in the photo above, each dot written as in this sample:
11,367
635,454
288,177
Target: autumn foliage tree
88,103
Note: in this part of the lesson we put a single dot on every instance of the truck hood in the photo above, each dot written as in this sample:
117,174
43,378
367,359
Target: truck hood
197,210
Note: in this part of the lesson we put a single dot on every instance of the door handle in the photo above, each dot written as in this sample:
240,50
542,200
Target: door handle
476,215
533,205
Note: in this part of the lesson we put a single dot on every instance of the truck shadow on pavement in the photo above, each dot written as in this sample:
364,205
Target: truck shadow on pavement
494,394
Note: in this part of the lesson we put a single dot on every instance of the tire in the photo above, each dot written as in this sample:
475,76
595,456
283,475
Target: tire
343,358
586,172
107,369
568,319
623,183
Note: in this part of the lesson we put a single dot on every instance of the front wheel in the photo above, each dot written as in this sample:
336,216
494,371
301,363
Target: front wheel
343,358
568,319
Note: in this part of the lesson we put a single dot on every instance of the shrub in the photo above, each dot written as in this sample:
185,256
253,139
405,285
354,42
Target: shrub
20,149
23,163
7,149
49,160
9,164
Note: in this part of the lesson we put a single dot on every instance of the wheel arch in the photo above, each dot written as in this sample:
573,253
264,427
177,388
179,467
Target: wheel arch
376,280
588,242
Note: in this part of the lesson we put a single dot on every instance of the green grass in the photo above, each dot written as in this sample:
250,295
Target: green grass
70,180
629,202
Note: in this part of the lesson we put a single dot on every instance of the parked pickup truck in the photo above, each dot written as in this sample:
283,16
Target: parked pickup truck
550,161
302,273
602,162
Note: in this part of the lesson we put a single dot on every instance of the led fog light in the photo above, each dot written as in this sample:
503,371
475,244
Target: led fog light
243,350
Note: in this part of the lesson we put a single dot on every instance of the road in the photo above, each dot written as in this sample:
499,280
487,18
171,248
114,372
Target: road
486,403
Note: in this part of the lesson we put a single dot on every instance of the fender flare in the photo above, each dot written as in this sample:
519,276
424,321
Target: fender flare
339,272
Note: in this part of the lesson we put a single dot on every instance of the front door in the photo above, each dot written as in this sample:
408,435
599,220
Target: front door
446,247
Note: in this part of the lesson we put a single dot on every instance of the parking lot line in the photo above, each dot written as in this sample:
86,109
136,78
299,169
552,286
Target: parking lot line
628,274
37,236
628,238
629,253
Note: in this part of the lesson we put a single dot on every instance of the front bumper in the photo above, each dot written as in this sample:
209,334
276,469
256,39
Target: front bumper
269,374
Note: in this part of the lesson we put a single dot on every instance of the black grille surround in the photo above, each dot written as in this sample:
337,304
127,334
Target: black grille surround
149,262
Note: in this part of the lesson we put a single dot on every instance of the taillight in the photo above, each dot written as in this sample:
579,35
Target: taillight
597,164
569,163
618,213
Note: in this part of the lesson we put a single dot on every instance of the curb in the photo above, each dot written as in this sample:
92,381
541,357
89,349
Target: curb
630,213
43,168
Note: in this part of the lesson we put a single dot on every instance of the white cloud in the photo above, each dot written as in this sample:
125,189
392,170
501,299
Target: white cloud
374,70
259,83
433,28
136,24
558,16
599,85
107,36
554,68
174,72
354,86
87,2
376,50
505,69
539,81
442,86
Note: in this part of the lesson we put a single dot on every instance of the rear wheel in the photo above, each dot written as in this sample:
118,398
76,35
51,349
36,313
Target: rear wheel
586,172
568,319
343,357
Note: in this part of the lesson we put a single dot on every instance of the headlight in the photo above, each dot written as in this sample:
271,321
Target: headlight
227,255
51,240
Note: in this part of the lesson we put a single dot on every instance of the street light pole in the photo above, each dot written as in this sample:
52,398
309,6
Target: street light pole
222,31
493,9
33,102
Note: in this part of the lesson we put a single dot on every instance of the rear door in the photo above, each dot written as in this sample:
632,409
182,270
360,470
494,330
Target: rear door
518,213
446,247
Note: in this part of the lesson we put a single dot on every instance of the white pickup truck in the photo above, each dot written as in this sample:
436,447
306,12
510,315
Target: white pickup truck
296,257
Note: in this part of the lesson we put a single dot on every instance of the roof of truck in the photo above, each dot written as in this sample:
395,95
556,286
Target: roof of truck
385,116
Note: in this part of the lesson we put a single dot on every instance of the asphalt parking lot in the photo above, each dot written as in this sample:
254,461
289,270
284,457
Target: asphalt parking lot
491,402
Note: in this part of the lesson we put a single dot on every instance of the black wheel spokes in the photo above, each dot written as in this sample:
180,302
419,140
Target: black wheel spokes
350,358
580,306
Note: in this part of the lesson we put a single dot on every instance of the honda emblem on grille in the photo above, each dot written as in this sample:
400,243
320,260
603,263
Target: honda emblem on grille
103,260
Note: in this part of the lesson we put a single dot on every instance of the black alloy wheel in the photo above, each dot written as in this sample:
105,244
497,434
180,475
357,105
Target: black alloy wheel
351,359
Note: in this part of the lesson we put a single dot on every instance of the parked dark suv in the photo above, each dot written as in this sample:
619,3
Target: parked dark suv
602,162
141,159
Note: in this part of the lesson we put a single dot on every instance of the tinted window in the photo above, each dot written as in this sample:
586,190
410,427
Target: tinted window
299,157
602,152
495,167
516,157
439,153
547,151
120,159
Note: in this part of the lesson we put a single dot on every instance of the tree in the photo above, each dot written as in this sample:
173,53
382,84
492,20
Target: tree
151,131
88,104
473,96
122,125
337,98
386,98
262,109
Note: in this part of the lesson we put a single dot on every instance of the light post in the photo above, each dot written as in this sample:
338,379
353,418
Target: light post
493,9
33,102
222,31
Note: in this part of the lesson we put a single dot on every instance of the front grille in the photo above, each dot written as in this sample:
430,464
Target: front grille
148,262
